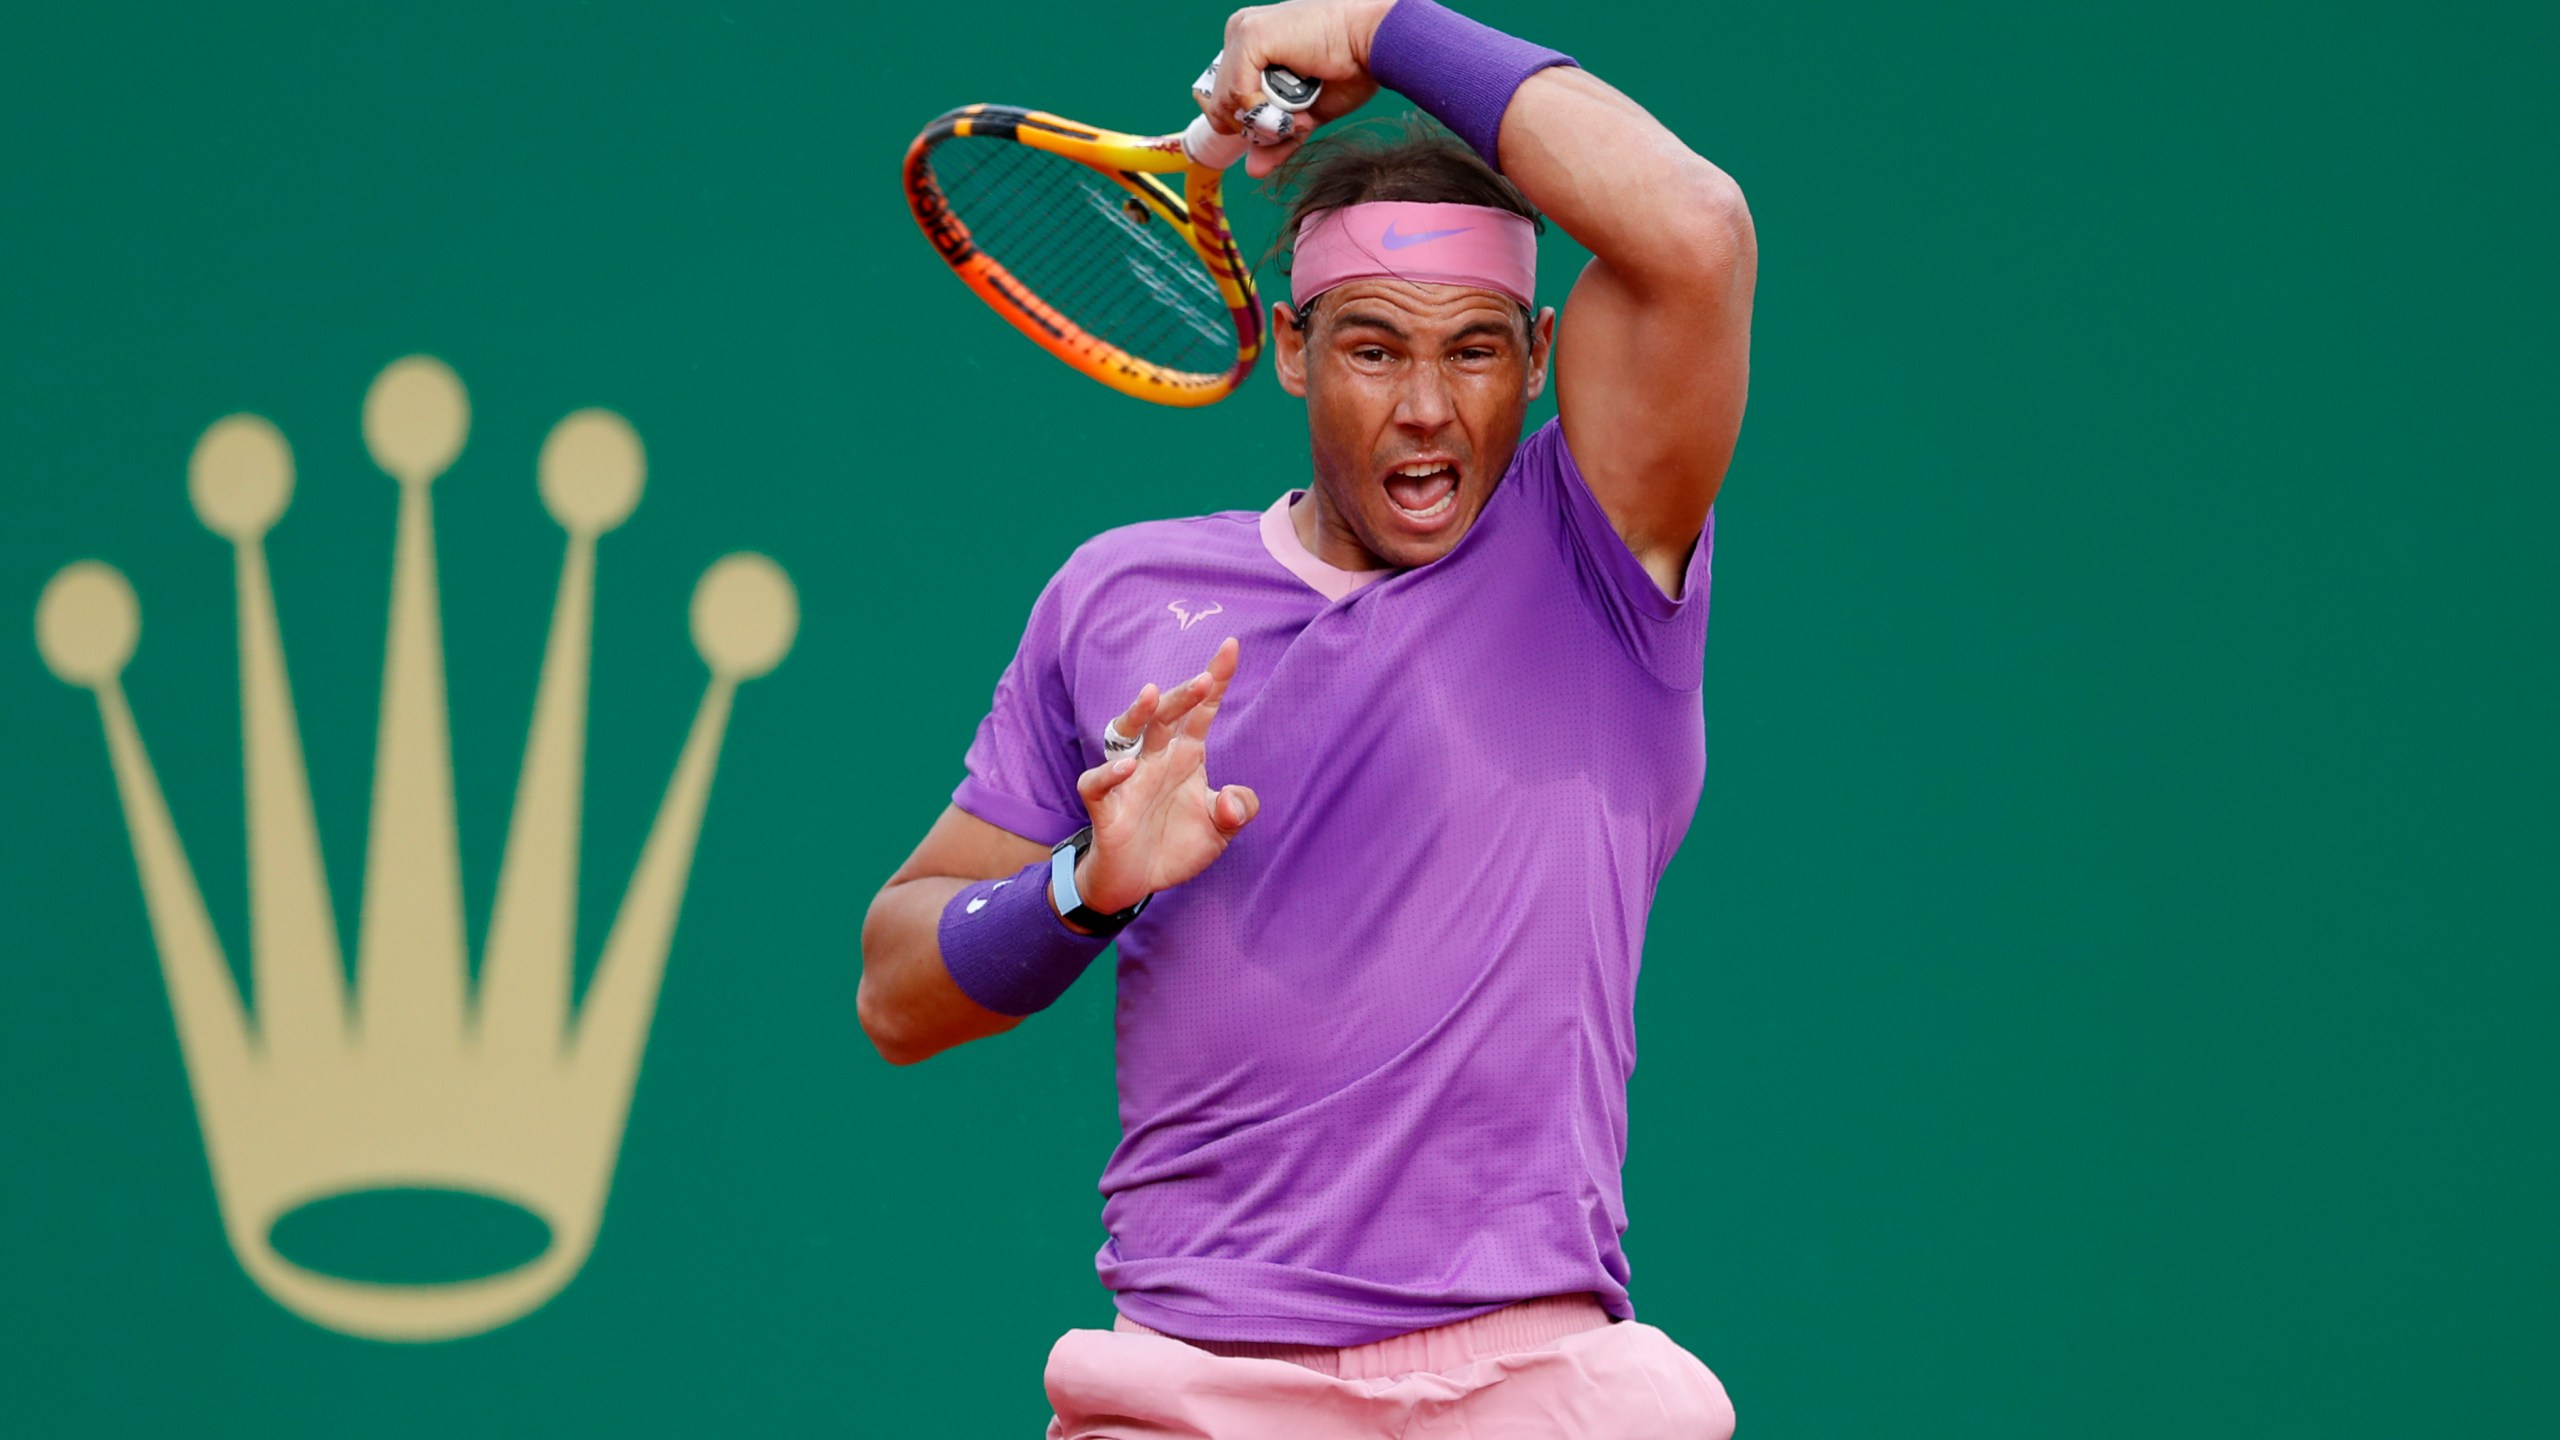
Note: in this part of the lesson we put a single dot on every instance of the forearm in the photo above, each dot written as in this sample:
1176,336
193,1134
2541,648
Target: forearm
1592,160
909,1005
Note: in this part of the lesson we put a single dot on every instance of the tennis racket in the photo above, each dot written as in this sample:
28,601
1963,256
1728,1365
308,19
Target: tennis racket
1111,251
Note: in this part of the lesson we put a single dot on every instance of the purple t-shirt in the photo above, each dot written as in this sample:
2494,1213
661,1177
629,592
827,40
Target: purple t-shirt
1373,1062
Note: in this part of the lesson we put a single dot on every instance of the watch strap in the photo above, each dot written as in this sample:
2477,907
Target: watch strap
1062,889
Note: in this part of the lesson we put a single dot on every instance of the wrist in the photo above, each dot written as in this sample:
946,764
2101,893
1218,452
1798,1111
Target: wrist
1007,951
1458,71
1366,16
1075,909
1108,904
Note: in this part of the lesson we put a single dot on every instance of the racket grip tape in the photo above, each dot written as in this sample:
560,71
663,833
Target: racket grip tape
1202,142
1286,95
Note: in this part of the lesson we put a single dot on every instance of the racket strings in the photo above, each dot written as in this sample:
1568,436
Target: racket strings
1069,236
1076,239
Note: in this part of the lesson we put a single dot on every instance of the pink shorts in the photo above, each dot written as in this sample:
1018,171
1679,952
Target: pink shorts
1550,1369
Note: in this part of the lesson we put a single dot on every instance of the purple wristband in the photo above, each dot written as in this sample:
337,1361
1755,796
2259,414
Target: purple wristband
1461,73
1007,950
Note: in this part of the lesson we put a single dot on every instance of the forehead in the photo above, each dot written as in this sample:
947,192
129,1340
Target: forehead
1415,307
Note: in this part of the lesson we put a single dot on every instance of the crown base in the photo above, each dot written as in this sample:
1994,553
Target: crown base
407,1313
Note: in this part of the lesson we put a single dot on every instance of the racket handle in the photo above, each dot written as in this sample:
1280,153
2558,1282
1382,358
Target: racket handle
1286,96
1207,147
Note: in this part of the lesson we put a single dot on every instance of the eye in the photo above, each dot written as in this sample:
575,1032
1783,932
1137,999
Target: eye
1370,355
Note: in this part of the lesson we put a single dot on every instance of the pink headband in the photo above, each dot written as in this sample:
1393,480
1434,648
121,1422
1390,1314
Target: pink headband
1473,245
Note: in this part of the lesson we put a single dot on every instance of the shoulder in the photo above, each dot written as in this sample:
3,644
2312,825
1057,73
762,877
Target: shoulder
1566,503
1198,539
1187,546
1541,475
1663,630
1545,463
1544,450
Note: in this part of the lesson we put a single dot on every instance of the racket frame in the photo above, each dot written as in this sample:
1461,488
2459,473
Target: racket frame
1139,165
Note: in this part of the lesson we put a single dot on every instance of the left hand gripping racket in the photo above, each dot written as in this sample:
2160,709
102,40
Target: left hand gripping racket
1078,238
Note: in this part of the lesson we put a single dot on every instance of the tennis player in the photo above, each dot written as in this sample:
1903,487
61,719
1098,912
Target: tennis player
1374,787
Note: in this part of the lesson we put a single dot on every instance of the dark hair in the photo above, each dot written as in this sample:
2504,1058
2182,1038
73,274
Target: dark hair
1410,158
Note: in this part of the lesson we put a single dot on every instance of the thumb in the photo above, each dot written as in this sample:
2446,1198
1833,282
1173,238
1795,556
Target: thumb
1233,807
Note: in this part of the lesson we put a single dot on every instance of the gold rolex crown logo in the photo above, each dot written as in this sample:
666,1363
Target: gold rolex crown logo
414,1080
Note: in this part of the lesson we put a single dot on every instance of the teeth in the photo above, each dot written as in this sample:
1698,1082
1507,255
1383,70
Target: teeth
1421,468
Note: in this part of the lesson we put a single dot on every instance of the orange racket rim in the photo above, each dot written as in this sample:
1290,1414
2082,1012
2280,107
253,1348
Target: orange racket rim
1136,164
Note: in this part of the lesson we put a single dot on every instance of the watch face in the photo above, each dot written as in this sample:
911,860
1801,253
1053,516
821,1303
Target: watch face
1062,888
1286,87
1062,872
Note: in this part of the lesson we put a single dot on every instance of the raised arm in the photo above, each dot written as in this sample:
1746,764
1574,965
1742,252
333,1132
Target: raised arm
1653,355
1654,349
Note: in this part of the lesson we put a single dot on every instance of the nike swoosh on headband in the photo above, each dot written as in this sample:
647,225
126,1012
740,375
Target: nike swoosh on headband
1394,241
1479,245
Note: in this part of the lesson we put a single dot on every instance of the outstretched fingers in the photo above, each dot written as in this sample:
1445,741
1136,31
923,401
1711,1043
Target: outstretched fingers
1184,712
1176,704
1097,783
1213,684
1132,723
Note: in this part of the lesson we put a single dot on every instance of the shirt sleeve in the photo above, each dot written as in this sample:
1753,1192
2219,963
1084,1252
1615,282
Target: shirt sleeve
1667,635
1026,757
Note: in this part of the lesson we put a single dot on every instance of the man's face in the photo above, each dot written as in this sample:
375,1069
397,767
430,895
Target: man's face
1414,395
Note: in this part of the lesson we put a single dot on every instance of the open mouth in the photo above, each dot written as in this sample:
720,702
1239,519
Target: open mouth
1423,491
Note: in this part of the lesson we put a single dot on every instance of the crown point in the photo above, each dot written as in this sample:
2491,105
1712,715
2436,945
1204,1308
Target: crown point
240,477
745,614
415,418
591,471
86,623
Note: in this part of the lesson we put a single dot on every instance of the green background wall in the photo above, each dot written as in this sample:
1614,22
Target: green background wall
2108,988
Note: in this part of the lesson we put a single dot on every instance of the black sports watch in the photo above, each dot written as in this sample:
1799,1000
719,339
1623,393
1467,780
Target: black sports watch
1070,905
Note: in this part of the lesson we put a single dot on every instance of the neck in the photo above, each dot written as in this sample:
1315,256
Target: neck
1321,530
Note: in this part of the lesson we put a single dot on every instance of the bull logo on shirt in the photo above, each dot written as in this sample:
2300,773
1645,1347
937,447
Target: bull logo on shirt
1182,611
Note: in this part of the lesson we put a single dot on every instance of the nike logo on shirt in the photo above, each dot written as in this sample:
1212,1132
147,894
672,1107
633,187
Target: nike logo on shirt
1394,241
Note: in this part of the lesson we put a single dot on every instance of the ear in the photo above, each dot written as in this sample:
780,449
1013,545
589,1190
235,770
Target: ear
1288,350
1542,343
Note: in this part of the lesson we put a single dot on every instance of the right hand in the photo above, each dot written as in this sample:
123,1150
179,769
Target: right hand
1325,40
1156,822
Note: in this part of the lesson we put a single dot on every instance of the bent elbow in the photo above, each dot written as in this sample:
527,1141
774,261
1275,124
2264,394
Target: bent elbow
1716,237
882,1027
875,1024
1696,247
882,1022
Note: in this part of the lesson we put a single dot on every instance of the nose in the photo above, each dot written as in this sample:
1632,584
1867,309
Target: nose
1425,403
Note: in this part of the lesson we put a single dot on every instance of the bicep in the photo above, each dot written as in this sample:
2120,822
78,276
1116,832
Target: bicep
960,846
1651,377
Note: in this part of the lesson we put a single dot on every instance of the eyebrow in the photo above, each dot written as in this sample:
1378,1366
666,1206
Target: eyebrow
1365,321
1368,322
